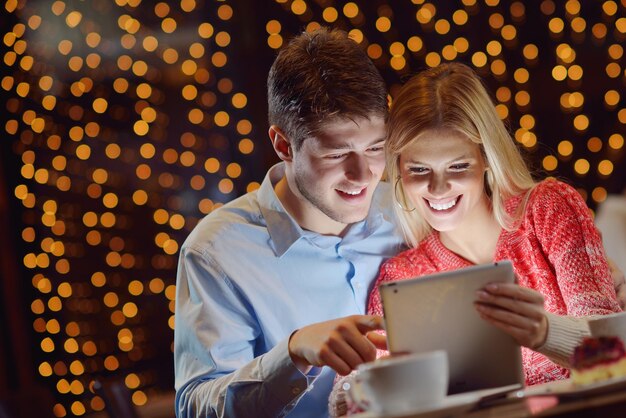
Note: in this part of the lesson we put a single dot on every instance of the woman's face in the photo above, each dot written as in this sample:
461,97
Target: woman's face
443,174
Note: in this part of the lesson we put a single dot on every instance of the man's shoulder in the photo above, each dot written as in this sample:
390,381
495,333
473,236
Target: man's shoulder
228,222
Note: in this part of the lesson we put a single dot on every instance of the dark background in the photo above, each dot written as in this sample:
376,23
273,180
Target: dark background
83,299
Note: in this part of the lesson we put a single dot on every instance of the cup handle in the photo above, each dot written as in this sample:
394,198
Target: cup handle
357,393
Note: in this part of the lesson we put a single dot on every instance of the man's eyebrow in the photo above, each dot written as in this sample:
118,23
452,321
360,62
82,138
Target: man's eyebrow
348,145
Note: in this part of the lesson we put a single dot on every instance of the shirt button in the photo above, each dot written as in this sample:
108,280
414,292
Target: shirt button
296,390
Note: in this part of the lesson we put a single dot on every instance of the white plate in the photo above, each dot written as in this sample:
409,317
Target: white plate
566,388
453,404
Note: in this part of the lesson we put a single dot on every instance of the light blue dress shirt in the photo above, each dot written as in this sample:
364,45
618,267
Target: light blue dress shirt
248,276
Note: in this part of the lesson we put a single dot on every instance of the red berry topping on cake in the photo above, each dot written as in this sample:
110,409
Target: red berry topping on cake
602,350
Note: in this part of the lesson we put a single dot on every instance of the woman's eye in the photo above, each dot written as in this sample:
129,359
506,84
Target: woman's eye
458,167
418,170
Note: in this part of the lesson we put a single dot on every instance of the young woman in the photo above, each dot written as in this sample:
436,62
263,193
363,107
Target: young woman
465,196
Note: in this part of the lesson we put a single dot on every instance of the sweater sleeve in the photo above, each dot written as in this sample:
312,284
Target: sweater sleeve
570,240
564,334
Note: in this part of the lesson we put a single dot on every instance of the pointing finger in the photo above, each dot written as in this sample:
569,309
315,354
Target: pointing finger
366,323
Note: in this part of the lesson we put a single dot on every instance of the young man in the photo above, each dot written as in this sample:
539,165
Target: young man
272,286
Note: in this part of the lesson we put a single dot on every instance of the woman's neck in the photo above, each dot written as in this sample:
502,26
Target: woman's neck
476,239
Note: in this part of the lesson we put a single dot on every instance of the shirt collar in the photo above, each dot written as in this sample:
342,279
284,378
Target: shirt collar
284,231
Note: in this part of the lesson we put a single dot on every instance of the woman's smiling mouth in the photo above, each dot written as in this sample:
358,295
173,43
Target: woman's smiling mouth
442,206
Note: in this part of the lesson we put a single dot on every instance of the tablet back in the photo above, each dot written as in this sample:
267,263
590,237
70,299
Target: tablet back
437,312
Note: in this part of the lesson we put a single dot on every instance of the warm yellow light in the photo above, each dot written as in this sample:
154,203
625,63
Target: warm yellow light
550,163
502,110
239,100
414,43
508,32
531,52
565,148
225,12
479,59
605,167
616,141
581,166
139,398
442,26
225,186
611,98
205,30
350,10
330,14
556,25
559,73
383,24
132,381
432,59
575,72
425,13
599,194
498,67
521,75
494,48
460,17
100,105
581,122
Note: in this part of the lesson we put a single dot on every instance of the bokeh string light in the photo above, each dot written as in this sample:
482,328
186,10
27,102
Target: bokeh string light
132,120
130,127
545,61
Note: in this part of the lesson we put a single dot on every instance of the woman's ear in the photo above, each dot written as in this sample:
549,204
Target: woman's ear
281,144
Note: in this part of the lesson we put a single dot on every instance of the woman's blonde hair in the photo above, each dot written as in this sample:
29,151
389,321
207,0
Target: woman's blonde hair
452,96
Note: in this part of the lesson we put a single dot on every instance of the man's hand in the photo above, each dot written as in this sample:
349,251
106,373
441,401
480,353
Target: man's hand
619,282
341,344
516,310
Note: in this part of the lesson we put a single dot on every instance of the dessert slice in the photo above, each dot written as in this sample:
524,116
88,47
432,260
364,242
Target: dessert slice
597,359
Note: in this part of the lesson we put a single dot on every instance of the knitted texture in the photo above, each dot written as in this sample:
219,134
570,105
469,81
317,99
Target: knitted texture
556,250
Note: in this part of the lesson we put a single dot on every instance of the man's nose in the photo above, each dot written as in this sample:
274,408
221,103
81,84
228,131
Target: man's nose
358,168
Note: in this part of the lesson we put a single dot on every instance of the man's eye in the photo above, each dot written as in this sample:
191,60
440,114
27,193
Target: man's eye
377,149
335,156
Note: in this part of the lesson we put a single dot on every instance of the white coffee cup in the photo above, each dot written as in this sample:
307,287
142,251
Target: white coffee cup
402,383
612,325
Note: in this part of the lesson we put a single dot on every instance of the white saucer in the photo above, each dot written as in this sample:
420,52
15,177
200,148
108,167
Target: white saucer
452,404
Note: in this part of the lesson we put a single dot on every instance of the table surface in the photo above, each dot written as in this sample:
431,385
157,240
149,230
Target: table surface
556,399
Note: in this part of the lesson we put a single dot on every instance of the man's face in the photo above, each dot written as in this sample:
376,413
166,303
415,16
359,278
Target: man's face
336,172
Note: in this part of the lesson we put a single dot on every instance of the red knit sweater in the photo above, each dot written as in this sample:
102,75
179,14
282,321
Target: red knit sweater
556,251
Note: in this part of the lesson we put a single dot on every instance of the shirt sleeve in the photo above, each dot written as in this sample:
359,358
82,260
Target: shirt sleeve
569,238
216,371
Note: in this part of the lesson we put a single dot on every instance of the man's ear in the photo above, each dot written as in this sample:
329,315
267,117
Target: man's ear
281,144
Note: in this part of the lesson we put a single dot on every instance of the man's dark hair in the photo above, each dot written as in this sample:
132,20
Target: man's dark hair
320,76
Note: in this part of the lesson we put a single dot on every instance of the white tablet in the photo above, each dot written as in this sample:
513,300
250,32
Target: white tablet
437,312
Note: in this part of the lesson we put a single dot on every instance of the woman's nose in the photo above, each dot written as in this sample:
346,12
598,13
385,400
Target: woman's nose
438,184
